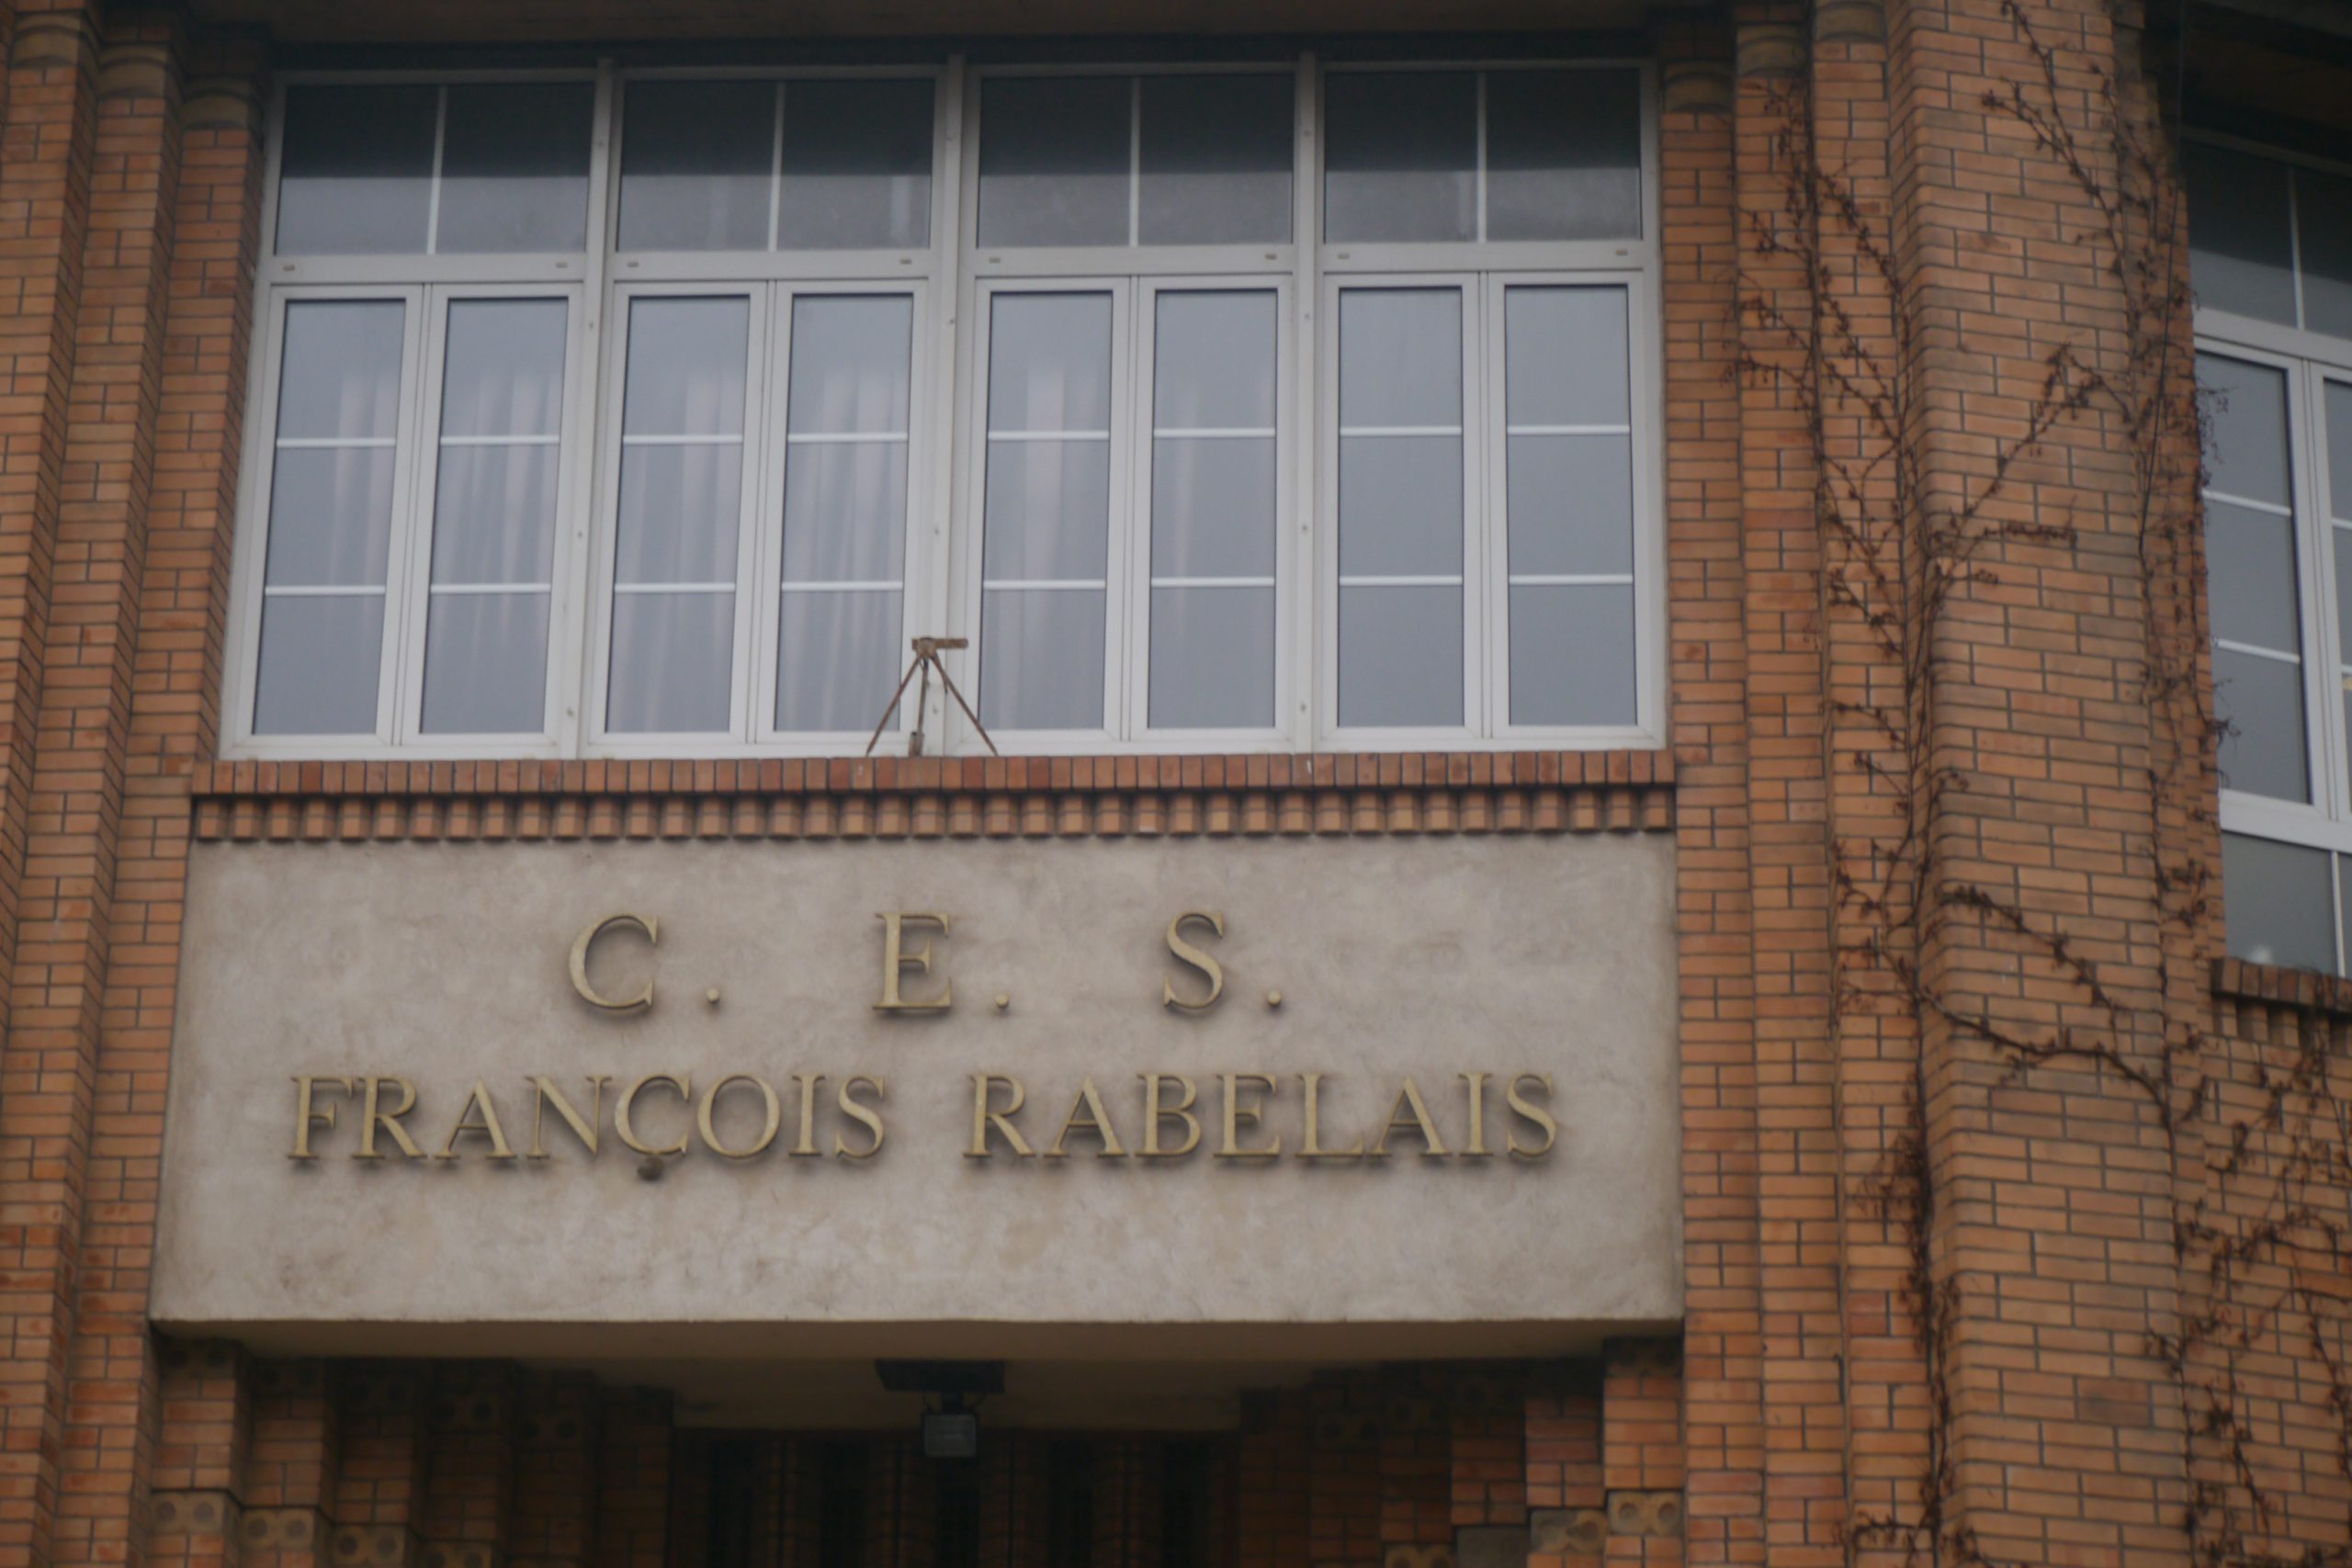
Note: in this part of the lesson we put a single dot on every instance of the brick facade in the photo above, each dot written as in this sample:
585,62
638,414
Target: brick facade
2015,1215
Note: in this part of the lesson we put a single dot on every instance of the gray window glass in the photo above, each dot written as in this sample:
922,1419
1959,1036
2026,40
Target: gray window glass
1213,506
495,517
330,518
356,170
1215,160
681,513
1400,155
514,167
2257,624
1054,160
2279,906
1569,505
844,510
855,165
1401,500
1564,155
697,166
1045,514
2241,241
2323,236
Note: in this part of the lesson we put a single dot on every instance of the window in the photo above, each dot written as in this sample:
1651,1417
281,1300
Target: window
2271,260
1257,405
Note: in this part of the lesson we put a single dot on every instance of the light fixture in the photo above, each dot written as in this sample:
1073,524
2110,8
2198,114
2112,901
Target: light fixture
953,1431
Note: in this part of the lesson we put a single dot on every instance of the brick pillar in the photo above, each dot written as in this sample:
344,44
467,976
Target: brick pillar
472,1429
1486,1446
1343,1472
46,1086
294,1468
1565,1488
199,1479
379,1489
1641,1450
633,1485
1272,1520
555,1477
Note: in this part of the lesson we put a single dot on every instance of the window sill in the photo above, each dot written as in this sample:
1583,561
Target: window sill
2238,980
1485,792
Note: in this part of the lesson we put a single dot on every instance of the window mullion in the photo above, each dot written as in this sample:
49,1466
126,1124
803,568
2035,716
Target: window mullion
1297,599
2323,686
432,194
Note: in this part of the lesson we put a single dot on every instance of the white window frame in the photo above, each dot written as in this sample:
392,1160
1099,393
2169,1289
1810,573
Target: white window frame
951,280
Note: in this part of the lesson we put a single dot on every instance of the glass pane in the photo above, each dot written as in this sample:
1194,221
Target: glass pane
696,165
1565,358
2251,563
1571,655
1049,363
2279,907
1400,155
2260,702
2245,446
504,368
1054,160
856,166
845,464
2324,235
486,664
514,167
1042,659
674,659
839,655
1215,160
686,365
1212,508
1212,361
356,172
681,507
1212,658
1047,510
1571,501
494,514
2338,407
1400,656
1400,358
1400,507
320,660
2240,245
1564,155
331,480
493,510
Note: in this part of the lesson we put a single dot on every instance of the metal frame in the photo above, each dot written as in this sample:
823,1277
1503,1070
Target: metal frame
951,280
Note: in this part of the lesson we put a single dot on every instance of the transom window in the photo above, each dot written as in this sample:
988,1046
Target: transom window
653,413
2271,258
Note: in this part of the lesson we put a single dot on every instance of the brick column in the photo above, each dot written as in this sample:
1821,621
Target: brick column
294,1468
195,1511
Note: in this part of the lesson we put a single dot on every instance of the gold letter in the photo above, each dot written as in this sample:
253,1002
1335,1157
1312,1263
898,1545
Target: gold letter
542,1091
628,1098
704,1116
373,1116
1534,1116
305,1118
1410,1096
1187,954
1237,1115
587,939
1311,1150
897,960
1096,1120
487,1127
808,1082
856,1112
984,1116
1477,1149
1155,1113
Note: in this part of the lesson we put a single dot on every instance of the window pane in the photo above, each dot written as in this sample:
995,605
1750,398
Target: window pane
696,165
1215,160
2337,410
486,664
1400,656
2323,234
1400,155
320,660
2251,563
844,510
856,166
1571,504
1564,155
681,511
2280,909
2246,450
1565,357
1212,658
1212,478
2240,245
514,167
1054,159
494,517
1400,501
355,170
838,658
1571,654
2260,702
1046,517
330,518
